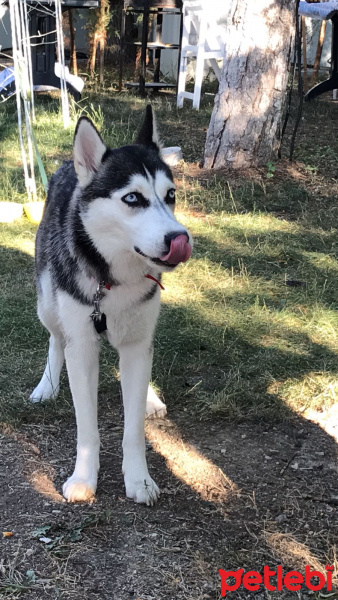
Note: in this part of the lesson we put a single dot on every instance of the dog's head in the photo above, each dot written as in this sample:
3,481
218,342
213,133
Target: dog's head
127,197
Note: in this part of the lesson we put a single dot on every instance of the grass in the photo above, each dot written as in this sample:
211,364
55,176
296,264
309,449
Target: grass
233,339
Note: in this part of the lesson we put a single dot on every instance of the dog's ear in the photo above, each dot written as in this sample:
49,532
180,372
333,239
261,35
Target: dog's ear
148,135
88,150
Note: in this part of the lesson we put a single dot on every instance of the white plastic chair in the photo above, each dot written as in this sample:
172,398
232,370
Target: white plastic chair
198,22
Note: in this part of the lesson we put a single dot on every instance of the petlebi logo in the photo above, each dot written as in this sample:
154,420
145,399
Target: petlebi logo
292,580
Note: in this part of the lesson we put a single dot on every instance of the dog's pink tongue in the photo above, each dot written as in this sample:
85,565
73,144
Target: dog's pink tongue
180,250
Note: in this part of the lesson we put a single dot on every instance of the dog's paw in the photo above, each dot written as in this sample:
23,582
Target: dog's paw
77,490
43,391
142,491
155,408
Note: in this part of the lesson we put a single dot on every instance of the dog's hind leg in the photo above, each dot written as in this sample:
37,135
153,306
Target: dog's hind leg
49,384
135,369
155,408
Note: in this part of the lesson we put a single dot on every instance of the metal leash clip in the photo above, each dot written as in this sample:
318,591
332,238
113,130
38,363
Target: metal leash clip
98,296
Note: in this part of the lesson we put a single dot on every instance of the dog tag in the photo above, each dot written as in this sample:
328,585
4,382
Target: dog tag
100,322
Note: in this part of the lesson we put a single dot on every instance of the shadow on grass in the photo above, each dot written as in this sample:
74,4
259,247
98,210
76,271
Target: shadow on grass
277,256
239,363
311,202
13,182
240,351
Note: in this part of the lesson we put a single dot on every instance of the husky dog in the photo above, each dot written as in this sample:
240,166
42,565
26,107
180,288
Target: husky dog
107,233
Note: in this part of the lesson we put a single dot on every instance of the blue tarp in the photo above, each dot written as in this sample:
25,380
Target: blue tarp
318,10
7,82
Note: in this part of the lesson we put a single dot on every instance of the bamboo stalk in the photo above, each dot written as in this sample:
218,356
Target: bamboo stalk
73,60
92,58
26,91
21,46
318,52
29,61
61,55
306,82
102,49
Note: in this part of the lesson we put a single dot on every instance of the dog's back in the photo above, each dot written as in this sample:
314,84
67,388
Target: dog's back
51,232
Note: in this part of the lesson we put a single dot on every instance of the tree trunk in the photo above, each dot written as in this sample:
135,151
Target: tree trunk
319,51
92,54
102,49
245,125
98,35
73,60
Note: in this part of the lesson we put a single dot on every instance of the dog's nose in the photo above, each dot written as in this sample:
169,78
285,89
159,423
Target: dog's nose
173,235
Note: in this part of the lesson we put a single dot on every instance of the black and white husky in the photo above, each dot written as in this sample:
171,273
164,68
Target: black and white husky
107,233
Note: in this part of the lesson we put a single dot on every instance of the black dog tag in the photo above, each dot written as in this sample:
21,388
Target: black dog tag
100,322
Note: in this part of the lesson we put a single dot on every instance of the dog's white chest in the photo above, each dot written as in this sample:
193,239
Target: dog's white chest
128,318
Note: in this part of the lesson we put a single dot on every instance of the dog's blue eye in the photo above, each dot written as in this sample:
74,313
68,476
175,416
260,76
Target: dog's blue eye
135,199
130,198
170,197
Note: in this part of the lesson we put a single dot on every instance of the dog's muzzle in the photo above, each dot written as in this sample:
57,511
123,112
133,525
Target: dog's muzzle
180,248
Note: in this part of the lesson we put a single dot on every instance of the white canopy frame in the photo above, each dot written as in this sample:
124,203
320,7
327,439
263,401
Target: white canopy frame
22,59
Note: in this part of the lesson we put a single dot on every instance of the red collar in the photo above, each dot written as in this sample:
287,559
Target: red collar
157,281
108,286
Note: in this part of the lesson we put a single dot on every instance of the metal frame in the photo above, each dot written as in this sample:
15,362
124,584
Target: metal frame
146,8
332,83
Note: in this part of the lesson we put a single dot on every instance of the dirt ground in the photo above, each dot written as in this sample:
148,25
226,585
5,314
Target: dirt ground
233,496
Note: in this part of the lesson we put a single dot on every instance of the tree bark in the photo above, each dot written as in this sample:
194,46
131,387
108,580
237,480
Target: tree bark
304,44
92,56
98,35
102,50
245,125
73,59
319,51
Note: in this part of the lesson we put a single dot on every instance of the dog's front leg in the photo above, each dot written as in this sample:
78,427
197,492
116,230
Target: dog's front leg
135,370
82,360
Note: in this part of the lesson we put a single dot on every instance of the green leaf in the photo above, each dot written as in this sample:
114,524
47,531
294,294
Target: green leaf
30,574
41,531
75,535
